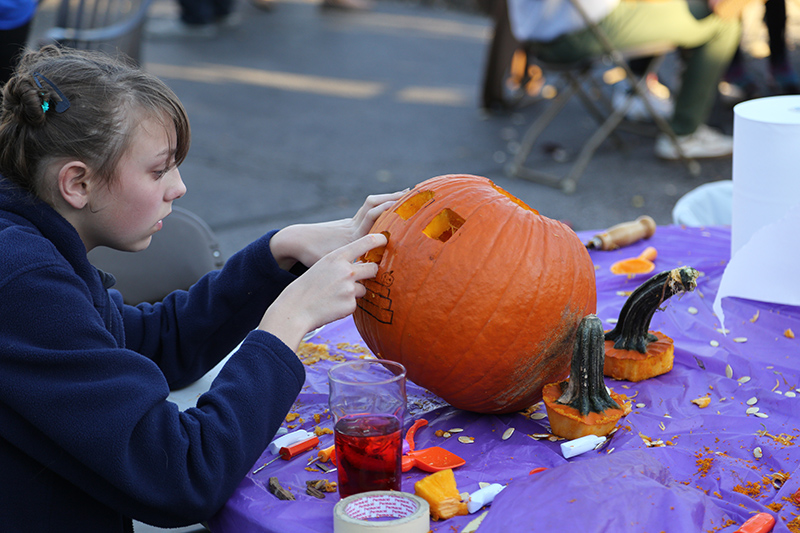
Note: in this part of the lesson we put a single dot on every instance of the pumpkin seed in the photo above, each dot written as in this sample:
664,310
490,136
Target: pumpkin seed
752,401
693,310
740,339
466,440
455,430
446,435
538,416
725,330
728,371
483,484
714,343
744,379
778,392
778,480
612,320
640,405
752,410
507,433
757,453
762,415
538,436
790,394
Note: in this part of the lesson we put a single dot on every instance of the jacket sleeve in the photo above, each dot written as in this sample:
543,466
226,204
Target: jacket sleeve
97,414
190,332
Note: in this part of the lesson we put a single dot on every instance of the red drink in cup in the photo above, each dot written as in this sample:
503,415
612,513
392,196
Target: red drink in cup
368,453
367,398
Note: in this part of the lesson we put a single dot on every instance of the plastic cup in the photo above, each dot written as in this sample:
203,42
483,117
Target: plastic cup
368,401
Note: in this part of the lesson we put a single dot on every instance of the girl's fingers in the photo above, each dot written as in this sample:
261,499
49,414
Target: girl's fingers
360,246
365,270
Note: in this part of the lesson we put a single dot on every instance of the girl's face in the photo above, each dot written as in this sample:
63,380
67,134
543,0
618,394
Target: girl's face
127,212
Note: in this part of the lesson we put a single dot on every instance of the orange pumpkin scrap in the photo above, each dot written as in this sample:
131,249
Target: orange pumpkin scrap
582,405
633,353
477,294
440,491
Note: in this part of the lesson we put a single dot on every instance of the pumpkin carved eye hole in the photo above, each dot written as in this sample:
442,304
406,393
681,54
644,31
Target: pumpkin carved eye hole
444,225
376,254
410,207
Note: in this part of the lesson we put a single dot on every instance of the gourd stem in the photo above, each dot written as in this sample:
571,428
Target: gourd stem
586,390
632,329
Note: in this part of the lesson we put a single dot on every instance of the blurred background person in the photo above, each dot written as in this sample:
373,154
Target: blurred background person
556,32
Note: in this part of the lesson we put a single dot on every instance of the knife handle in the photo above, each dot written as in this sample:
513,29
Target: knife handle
624,234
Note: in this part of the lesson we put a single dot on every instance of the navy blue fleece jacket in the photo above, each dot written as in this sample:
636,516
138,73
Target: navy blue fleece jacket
88,439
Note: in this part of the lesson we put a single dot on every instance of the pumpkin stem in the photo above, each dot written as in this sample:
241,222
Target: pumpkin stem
632,329
586,390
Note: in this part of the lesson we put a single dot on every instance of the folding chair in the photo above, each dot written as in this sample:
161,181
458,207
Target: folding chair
578,76
180,254
113,26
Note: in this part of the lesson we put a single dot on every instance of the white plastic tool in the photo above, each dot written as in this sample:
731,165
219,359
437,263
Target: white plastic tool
483,496
287,440
571,448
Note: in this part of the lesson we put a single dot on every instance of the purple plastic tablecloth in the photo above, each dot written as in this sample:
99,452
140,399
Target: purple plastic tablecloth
705,479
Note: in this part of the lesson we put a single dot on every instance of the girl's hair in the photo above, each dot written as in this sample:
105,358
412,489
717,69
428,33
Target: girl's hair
107,99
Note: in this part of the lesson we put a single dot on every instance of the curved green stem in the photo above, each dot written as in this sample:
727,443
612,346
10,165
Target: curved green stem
586,390
632,329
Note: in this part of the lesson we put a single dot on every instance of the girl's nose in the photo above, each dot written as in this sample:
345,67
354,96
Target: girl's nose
178,188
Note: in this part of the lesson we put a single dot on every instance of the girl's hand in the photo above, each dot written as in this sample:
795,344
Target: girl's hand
308,243
326,292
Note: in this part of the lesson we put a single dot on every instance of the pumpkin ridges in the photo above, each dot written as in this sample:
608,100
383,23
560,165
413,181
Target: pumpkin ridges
500,291
560,342
426,211
436,272
477,348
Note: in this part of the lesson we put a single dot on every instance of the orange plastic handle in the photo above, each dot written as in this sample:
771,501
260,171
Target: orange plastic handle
412,430
760,523
325,454
297,448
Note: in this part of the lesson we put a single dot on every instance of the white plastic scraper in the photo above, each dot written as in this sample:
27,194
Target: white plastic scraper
571,448
287,440
484,496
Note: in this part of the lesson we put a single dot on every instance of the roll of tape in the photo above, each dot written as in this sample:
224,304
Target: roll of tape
382,512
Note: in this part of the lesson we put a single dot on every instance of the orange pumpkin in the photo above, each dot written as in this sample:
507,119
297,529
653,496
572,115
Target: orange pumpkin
477,294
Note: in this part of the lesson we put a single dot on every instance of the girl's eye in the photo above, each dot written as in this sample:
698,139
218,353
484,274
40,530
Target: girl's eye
160,173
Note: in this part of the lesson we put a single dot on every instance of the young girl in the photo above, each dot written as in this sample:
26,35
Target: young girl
89,150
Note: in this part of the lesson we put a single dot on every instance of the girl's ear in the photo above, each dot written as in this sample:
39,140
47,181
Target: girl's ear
74,184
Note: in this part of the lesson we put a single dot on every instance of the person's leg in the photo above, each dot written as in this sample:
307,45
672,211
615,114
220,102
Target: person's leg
12,44
775,19
784,76
710,43
222,8
197,12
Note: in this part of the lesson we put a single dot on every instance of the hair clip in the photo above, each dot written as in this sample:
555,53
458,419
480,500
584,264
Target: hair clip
62,105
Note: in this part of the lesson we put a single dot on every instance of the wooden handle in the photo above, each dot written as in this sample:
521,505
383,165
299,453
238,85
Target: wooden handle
624,234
